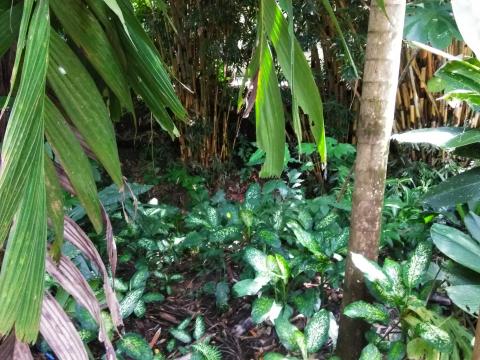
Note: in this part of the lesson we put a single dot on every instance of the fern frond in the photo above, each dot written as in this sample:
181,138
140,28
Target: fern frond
209,352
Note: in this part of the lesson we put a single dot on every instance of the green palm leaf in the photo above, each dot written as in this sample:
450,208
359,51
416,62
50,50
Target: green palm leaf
269,115
87,33
22,183
304,87
83,103
54,206
9,25
74,162
145,65
24,134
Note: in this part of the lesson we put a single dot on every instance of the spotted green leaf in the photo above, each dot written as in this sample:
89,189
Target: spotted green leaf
417,265
370,352
316,331
181,335
265,308
366,311
199,329
134,346
435,336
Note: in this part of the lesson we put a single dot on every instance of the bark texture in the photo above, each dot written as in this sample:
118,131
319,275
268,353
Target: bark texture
377,108
476,347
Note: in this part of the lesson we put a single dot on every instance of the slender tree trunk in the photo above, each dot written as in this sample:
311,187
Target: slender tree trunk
377,108
476,347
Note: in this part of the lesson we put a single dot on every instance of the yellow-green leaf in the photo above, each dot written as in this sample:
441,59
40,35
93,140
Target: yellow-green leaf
269,115
304,87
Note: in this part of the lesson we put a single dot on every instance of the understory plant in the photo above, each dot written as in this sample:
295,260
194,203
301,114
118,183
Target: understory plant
403,322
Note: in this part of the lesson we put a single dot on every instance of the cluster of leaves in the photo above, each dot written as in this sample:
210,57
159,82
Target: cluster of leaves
409,327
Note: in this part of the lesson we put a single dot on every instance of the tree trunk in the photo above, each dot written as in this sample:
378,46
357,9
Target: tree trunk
374,129
476,347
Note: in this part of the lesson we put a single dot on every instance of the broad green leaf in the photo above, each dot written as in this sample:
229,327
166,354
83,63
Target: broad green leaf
466,297
437,136
305,89
74,162
468,20
252,197
54,206
140,309
282,268
9,26
435,336
285,330
250,286
370,269
316,331
268,237
199,329
460,75
184,324
370,352
22,40
464,138
152,297
277,356
419,349
306,239
22,275
472,223
256,259
455,190
225,234
457,246
181,335
22,190
87,33
222,295
134,346
306,303
368,312
417,265
129,302
24,133
83,103
265,308
393,270
397,351
430,22
301,342
139,279
270,121
113,5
